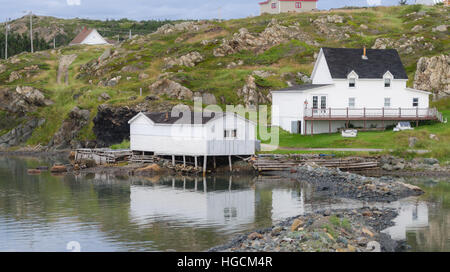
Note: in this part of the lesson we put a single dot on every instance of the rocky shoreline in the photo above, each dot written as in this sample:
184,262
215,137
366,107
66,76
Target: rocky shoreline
333,182
357,230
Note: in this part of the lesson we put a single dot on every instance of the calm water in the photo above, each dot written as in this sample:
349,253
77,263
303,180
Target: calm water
105,213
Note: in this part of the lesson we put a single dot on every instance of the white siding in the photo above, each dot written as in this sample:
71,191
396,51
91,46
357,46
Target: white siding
321,74
290,108
94,38
193,140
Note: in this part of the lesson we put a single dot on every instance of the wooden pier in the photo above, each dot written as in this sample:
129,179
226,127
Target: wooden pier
102,155
281,163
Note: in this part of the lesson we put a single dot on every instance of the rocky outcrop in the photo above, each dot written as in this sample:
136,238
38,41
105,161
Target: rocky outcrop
171,89
26,72
2,68
63,68
184,26
20,134
70,128
111,124
433,74
274,34
404,45
207,98
188,60
250,94
22,99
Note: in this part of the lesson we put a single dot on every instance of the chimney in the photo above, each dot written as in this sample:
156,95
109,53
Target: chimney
364,56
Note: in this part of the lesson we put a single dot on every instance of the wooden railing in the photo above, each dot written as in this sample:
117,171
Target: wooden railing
376,113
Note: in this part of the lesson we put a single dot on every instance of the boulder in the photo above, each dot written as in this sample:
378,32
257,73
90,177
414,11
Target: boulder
57,168
417,28
113,81
172,89
412,141
143,76
249,93
441,28
430,161
22,100
104,97
433,74
188,60
207,98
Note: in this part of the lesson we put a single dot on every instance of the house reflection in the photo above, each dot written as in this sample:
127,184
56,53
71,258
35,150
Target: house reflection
412,215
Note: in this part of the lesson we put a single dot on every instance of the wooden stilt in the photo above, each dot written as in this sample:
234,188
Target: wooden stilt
214,161
184,161
184,183
173,160
195,187
204,183
231,166
306,127
196,164
230,182
204,165
417,123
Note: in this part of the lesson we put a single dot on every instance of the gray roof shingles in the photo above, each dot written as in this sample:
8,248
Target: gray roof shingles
182,118
341,61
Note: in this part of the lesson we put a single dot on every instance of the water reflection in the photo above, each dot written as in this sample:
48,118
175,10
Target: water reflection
110,213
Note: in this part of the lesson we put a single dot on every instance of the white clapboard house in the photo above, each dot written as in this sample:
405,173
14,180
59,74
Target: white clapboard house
356,88
192,134
90,37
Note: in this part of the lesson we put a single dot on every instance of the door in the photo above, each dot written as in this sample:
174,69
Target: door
319,104
296,127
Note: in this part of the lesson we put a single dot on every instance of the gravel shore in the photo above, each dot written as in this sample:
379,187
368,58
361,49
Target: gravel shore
356,230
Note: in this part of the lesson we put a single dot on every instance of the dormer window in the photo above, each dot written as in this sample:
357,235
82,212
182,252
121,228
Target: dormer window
352,76
387,79
352,82
387,82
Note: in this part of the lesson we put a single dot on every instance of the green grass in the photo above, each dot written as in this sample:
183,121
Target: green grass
123,145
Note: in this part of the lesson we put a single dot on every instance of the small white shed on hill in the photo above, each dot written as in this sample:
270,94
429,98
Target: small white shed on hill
90,37
192,134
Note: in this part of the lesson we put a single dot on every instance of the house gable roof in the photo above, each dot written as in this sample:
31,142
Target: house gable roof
81,36
342,61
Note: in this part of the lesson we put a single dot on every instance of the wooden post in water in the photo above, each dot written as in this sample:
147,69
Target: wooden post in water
204,165
231,165
184,161
214,161
173,160
195,159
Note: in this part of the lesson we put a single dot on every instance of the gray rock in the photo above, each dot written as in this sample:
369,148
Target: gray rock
441,28
430,161
412,141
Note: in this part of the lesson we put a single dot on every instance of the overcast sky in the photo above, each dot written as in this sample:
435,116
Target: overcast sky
154,9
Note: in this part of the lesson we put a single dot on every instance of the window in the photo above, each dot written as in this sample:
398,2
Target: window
387,102
323,102
352,82
315,102
415,102
387,82
298,5
351,102
230,133
274,5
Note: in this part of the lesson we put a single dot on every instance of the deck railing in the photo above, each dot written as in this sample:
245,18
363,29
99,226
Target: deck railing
377,113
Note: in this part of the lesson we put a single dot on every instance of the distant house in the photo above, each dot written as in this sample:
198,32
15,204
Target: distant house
280,6
192,134
358,88
431,2
89,36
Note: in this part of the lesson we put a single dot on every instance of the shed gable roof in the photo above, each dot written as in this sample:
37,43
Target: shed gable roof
81,36
342,61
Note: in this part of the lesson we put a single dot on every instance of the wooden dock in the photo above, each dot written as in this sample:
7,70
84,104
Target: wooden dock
102,155
281,163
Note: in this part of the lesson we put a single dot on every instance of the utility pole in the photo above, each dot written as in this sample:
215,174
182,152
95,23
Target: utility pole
31,31
6,39
54,42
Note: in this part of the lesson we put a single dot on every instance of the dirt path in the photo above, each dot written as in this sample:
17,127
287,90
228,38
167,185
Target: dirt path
270,147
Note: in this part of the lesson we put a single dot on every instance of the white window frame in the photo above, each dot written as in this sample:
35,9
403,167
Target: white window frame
387,99
354,102
230,133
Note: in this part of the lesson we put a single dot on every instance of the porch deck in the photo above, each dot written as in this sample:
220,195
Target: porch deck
370,114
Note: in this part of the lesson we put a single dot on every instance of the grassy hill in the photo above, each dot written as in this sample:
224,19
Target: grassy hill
142,61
